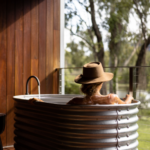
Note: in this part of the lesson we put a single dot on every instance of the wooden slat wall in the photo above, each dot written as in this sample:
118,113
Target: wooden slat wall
3,63
42,44
29,45
10,70
49,44
56,43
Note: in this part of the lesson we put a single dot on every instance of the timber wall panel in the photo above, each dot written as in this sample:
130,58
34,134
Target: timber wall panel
49,45
19,47
34,44
10,70
42,44
56,53
3,63
29,45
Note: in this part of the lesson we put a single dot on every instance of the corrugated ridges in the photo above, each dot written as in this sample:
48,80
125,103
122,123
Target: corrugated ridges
50,126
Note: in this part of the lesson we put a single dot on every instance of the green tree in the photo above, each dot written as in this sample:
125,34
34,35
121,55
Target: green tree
75,57
117,23
113,16
90,32
142,10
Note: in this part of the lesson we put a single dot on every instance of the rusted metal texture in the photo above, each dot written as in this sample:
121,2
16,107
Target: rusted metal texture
53,125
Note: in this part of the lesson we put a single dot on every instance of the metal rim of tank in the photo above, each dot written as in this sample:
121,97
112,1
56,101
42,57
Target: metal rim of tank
68,96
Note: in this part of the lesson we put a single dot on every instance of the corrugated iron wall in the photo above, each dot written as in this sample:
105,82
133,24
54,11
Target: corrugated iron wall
54,125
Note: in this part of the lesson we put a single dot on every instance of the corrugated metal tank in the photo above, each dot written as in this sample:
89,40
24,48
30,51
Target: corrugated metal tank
53,125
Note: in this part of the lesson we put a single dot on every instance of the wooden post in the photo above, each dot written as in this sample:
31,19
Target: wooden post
56,81
131,81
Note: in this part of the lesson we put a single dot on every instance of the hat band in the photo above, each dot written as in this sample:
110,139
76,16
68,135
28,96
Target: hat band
92,73
90,77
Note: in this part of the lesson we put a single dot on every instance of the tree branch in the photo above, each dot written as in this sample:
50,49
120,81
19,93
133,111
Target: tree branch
142,52
86,7
94,24
100,53
140,14
80,37
132,54
93,47
141,56
83,20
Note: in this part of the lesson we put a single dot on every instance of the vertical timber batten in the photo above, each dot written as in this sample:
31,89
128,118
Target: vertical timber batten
49,47
34,44
42,44
19,47
3,64
10,71
56,53
27,44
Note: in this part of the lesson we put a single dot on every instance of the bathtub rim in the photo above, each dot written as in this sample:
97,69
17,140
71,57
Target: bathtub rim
27,97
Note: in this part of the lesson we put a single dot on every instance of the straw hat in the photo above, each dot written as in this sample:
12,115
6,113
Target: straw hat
93,73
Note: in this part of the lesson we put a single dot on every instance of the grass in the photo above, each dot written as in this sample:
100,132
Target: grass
144,130
144,112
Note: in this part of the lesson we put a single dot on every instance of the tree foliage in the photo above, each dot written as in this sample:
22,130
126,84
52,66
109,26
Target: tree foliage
75,57
86,19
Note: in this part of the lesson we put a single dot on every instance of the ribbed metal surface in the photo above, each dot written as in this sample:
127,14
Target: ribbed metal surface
57,126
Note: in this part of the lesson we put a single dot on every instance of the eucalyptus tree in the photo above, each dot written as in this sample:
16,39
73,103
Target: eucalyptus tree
86,26
83,19
87,19
142,9
110,15
116,22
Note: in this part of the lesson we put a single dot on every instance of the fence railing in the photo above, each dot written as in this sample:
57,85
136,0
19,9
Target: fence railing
127,73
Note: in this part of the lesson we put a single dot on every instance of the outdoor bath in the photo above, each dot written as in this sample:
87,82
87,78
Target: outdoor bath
55,125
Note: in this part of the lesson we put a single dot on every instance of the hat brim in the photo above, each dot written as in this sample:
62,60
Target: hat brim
81,80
